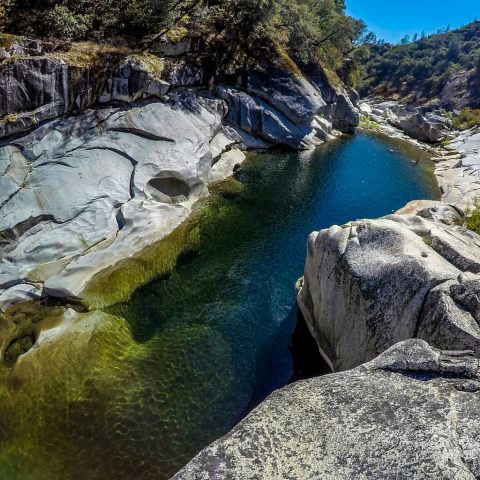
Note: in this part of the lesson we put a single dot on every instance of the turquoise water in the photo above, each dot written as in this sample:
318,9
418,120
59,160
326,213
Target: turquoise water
238,285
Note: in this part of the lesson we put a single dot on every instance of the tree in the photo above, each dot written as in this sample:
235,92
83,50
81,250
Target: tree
453,52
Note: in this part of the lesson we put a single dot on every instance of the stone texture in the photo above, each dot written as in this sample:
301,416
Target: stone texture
458,169
289,93
85,191
410,413
416,122
259,118
372,283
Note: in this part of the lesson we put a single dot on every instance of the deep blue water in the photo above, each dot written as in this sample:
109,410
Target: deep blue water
231,303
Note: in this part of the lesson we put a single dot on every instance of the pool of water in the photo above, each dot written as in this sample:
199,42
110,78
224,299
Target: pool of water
211,339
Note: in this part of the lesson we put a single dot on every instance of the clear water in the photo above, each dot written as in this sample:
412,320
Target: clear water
240,283
211,340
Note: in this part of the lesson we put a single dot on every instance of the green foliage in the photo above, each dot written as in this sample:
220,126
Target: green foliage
424,66
9,118
66,24
368,124
305,30
468,118
472,221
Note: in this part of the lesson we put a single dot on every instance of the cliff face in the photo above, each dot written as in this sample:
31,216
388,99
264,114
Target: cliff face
119,147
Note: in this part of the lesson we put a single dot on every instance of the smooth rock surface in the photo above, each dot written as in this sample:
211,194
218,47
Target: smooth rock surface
410,413
372,283
291,94
259,118
83,192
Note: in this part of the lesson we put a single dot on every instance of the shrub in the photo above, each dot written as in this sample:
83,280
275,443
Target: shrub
472,221
468,118
66,24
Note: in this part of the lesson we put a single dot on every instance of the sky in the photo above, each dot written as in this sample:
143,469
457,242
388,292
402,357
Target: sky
392,19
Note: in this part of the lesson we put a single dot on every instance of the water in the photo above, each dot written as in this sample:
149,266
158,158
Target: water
212,338
240,285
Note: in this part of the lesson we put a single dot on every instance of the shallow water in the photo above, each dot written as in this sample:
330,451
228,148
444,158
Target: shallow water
212,338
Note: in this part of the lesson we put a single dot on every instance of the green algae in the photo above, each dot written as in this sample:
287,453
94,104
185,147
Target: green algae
117,284
93,400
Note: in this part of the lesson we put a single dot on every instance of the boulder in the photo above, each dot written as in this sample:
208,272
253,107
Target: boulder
339,108
416,122
418,126
289,93
410,413
372,283
85,191
226,165
260,118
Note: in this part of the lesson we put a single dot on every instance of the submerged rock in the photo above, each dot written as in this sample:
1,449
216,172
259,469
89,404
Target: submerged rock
372,283
410,413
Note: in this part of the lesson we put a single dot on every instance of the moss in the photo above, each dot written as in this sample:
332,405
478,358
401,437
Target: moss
153,64
332,77
94,387
91,54
285,62
427,240
7,40
10,118
176,35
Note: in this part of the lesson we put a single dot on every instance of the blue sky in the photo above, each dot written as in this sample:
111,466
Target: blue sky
392,19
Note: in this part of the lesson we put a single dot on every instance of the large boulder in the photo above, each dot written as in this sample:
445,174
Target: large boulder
372,283
410,413
80,193
288,92
339,108
416,122
36,86
257,117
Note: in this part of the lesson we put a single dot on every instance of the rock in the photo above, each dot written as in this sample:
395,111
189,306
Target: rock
136,77
434,210
85,191
459,179
418,126
259,118
17,294
12,45
410,413
338,109
372,283
166,47
289,93
226,165
246,140
221,142
416,122
38,88
366,108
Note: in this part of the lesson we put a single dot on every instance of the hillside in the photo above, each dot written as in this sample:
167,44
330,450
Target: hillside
231,32
439,70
